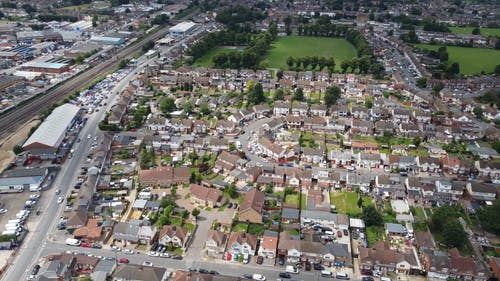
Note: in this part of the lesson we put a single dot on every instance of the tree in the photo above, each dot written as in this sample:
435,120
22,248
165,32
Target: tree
360,202
256,94
497,69
188,108
298,95
416,141
476,31
371,216
279,95
204,109
167,105
231,191
344,66
422,82
478,112
332,94
489,216
454,68
17,149
453,233
496,145
195,212
290,62
368,103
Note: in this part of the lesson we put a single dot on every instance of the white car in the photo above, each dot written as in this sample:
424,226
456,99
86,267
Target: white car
164,255
128,251
59,199
259,277
89,136
153,254
147,263
3,211
116,249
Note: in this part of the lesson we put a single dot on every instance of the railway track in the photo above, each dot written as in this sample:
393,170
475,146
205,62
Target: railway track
10,121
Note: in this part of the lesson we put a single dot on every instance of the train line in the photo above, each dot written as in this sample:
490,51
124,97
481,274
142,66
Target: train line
13,119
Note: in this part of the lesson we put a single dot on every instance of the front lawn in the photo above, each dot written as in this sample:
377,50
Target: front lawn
240,227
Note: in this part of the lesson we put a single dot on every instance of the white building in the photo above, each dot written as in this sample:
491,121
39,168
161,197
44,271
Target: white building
182,28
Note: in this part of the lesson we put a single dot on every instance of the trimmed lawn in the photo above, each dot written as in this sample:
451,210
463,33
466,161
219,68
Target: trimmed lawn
256,229
302,46
240,227
374,234
471,60
206,60
468,30
292,199
345,202
303,203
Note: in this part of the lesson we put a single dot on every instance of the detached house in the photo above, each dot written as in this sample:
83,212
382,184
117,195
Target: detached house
176,235
216,243
252,208
241,243
205,196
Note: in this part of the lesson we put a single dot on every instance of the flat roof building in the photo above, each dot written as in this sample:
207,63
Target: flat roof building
48,67
182,28
107,40
49,136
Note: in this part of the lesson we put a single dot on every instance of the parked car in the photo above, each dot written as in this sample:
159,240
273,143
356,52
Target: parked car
116,249
147,263
123,260
213,272
229,205
177,257
308,266
35,269
285,275
339,234
318,266
86,244
259,277
164,255
96,246
59,200
128,251
367,278
346,233
260,259
246,276
154,254
202,270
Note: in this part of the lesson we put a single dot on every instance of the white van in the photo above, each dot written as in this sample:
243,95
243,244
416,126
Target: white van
385,279
342,275
326,273
292,269
73,242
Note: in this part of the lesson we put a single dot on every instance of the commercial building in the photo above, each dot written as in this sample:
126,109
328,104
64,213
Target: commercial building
47,67
107,40
19,179
182,28
49,137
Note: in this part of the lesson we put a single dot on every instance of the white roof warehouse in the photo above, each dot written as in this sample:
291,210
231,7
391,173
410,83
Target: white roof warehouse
53,130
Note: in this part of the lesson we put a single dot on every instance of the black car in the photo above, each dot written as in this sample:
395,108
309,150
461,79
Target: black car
213,272
346,233
96,246
367,278
229,205
192,269
260,260
281,261
177,257
35,270
235,206
285,275
202,270
246,276
318,266
308,267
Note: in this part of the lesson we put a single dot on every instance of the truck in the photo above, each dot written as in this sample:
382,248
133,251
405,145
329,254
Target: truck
73,242
11,189
9,232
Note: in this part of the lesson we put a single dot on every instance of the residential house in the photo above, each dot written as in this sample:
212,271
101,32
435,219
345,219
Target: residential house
466,268
318,110
204,196
269,244
383,259
290,215
364,146
126,272
313,155
90,232
281,108
299,109
436,263
489,169
424,240
428,164
164,176
127,232
336,252
241,243
252,208
175,235
450,164
395,229
146,234
369,160
293,250
216,243
401,115
482,191
226,161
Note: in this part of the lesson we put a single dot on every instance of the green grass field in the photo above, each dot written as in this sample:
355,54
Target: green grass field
468,30
206,60
347,202
292,199
302,46
471,60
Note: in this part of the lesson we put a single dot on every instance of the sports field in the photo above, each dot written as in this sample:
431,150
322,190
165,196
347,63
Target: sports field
302,46
206,60
471,60
468,30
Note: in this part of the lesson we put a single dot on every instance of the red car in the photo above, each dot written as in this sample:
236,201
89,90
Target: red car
339,234
123,260
86,245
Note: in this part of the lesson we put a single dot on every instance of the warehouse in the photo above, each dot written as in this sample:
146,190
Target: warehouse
46,67
107,40
48,138
182,28
20,179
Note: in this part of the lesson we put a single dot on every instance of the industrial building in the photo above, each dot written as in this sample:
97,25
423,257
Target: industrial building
107,40
49,137
182,28
48,67
18,180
